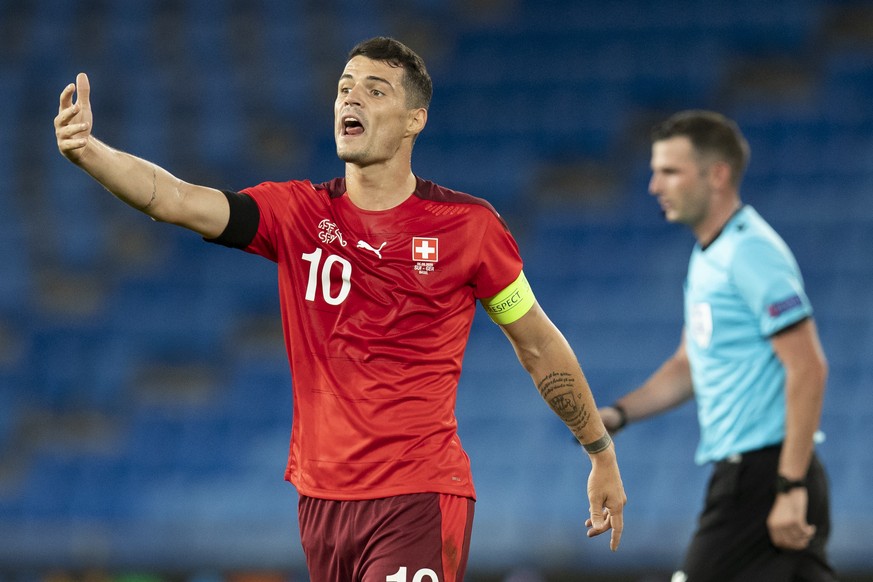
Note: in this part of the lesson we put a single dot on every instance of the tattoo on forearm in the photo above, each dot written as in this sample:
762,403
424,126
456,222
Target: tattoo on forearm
154,190
560,391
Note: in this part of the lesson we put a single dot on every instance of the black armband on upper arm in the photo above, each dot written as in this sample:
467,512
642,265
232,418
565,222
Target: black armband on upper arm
242,225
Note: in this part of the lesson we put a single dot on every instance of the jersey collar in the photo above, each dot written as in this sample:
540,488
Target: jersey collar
724,226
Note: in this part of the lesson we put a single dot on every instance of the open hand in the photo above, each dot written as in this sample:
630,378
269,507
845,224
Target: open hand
74,120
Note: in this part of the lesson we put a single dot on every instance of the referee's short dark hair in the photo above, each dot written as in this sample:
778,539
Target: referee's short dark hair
416,81
712,135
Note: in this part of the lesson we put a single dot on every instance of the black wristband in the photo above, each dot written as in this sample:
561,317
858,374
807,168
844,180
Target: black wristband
784,484
622,415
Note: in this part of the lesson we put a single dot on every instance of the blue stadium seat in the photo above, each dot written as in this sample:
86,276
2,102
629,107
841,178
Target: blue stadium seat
15,268
517,91
73,215
495,172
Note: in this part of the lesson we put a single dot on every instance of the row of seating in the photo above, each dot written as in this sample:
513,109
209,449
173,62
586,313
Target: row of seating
145,401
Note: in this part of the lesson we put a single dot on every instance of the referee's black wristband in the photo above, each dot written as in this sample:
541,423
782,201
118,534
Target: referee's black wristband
622,415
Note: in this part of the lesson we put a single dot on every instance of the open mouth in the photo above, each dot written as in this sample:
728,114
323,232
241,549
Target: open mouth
352,126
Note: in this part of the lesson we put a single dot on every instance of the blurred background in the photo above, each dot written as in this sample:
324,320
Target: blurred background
145,401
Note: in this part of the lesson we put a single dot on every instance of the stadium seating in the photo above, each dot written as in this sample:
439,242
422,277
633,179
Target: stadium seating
145,402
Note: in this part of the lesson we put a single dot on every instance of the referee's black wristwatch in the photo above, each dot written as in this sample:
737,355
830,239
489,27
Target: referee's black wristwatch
784,484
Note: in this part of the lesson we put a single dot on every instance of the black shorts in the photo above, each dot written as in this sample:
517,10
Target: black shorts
732,541
423,537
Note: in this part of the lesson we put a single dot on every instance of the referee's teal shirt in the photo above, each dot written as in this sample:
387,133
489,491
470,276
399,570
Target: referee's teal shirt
741,289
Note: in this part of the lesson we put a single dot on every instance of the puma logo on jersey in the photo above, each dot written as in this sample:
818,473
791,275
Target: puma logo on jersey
366,245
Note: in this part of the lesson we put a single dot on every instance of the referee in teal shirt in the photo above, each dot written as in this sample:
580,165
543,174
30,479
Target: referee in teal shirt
751,358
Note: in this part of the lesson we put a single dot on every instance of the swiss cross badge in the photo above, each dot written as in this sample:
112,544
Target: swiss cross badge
425,249
425,252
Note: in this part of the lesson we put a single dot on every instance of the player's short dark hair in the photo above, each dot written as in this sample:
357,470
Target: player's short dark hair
711,134
416,81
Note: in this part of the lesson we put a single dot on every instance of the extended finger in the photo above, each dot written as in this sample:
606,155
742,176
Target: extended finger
68,145
71,131
66,97
65,115
617,522
83,90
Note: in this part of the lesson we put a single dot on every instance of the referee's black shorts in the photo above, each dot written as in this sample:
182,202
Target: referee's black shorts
732,541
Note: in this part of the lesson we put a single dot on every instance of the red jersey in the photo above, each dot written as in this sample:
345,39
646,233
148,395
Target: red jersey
376,310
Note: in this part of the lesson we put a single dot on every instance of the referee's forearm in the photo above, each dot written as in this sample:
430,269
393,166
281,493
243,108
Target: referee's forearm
804,395
668,387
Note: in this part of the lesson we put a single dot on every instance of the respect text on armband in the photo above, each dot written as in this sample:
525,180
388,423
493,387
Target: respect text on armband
506,304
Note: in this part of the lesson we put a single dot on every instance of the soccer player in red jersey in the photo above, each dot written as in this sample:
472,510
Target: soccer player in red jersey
379,273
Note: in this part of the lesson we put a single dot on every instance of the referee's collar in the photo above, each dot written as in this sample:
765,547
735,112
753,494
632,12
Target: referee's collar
723,226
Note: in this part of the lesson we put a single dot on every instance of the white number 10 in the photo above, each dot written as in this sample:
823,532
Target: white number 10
314,258
400,575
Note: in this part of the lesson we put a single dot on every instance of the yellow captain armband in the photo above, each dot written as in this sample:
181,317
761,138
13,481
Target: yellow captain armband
511,303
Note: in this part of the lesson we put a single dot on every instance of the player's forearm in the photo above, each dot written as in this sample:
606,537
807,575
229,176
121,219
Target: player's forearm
567,393
132,180
155,191
562,384
135,181
544,352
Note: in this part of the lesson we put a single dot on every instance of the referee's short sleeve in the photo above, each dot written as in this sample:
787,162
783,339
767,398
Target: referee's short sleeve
768,278
242,225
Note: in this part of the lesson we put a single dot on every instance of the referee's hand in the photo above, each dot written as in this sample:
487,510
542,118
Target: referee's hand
787,520
612,419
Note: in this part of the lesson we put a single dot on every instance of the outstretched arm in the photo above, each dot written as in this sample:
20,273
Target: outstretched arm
137,182
668,387
546,355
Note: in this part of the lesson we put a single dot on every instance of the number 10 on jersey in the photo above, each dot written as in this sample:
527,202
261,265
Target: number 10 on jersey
423,575
320,272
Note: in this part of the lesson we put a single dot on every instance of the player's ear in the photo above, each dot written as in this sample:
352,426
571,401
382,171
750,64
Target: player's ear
416,121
